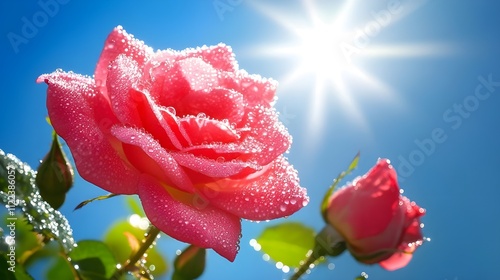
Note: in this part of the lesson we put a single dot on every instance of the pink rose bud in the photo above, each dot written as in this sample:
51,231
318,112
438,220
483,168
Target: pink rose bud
54,175
194,136
377,223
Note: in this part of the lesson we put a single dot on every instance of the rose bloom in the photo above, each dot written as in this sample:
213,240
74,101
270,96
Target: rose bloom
196,138
377,223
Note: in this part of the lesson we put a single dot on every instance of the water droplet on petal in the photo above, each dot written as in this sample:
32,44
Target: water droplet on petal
171,110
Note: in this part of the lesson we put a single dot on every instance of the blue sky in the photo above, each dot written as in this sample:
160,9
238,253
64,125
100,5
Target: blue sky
427,105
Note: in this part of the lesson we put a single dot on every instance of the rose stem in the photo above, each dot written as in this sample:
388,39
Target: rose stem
304,267
150,237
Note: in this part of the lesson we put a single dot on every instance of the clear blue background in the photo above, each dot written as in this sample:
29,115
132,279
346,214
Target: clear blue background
457,183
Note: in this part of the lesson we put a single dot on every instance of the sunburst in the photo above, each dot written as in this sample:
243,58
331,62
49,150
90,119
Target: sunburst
331,46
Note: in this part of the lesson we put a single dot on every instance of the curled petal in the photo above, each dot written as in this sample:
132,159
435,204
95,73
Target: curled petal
271,193
83,117
219,103
255,89
220,57
198,224
212,168
202,131
136,108
266,137
119,42
147,155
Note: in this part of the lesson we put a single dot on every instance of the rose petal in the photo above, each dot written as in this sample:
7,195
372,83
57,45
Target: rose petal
218,103
212,168
200,75
255,89
264,137
273,192
168,85
82,117
220,57
201,225
398,260
119,42
136,108
152,156
229,151
200,130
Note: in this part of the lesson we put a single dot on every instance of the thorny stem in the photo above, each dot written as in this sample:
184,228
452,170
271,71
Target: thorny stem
146,243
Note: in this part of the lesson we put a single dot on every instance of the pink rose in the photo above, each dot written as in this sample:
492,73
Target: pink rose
194,136
378,224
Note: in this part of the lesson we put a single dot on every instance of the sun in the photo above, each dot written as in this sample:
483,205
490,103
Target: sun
331,45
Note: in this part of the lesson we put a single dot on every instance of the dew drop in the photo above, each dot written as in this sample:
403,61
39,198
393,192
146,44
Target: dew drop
283,208
201,115
171,110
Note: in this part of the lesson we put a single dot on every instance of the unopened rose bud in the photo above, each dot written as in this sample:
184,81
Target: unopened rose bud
378,224
54,175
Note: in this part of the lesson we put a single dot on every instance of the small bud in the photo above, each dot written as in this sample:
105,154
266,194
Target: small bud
54,175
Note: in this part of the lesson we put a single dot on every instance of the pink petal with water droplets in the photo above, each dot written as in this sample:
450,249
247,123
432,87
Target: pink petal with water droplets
198,224
152,158
213,168
136,108
219,103
221,57
83,117
273,192
200,130
265,138
255,89
120,42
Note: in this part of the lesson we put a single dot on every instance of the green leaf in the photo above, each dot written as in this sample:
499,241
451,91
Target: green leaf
102,197
287,243
60,270
120,247
27,241
18,191
9,272
190,264
326,198
93,259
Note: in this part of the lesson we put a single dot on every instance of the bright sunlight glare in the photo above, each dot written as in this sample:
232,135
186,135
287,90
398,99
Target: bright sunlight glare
330,45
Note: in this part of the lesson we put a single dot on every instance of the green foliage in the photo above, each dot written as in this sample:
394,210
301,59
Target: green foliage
8,272
190,264
93,259
326,198
19,191
61,270
117,241
287,243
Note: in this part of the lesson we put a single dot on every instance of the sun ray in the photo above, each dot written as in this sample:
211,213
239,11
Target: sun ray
322,45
